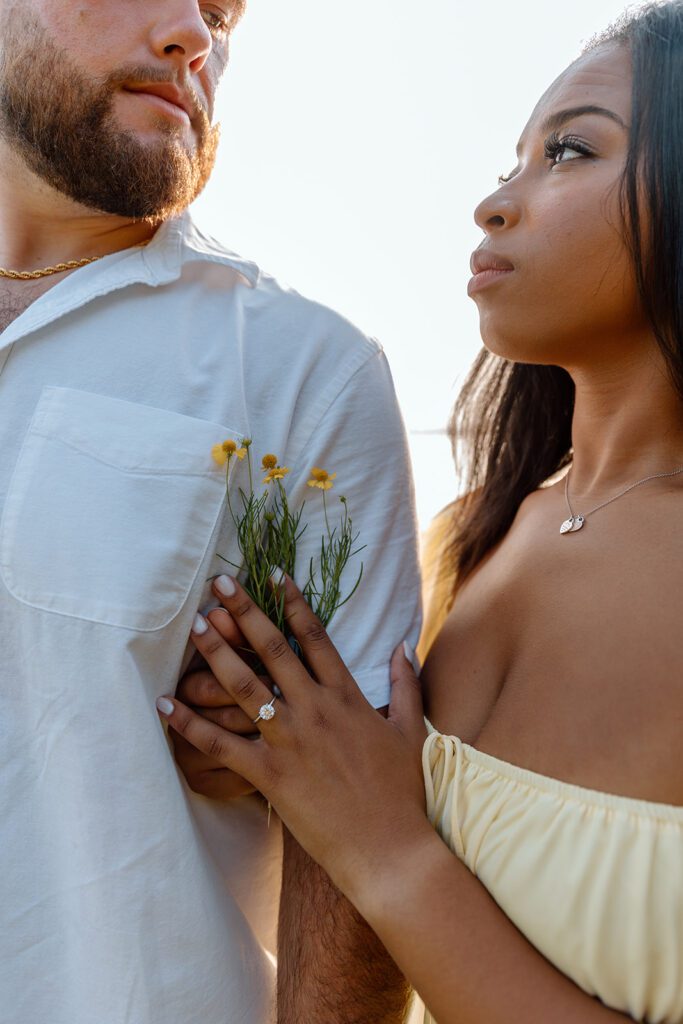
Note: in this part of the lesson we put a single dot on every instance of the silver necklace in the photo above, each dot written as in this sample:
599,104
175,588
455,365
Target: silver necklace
576,521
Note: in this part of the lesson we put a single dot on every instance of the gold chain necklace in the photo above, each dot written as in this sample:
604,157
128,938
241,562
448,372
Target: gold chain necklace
58,268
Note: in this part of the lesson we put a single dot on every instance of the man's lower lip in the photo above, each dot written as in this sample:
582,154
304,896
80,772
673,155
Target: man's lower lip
484,279
162,105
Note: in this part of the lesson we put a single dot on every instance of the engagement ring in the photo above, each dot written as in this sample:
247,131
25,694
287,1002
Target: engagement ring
266,712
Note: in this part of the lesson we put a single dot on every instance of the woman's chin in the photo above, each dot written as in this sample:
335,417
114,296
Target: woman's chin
516,349
499,342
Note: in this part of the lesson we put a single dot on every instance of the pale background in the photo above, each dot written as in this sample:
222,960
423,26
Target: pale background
357,139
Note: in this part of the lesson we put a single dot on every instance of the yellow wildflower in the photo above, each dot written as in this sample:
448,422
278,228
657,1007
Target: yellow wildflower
225,450
276,473
321,478
219,453
269,462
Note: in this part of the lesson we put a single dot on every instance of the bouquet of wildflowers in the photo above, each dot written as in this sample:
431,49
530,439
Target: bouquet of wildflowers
268,532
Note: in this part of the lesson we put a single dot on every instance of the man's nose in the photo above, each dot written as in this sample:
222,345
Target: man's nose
179,34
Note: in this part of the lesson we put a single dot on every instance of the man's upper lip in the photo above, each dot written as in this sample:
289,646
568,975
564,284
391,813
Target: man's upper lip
168,92
484,259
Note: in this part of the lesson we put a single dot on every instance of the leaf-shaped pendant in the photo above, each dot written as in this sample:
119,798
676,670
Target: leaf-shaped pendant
568,525
578,523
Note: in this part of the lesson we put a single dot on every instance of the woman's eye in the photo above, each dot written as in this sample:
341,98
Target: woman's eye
566,153
561,151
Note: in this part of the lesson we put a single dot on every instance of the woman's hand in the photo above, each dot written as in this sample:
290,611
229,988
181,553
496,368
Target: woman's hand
346,782
200,689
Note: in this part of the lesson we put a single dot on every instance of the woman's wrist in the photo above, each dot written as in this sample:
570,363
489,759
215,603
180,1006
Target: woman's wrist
375,881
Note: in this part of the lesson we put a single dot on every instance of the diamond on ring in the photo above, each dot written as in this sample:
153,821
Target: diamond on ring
266,712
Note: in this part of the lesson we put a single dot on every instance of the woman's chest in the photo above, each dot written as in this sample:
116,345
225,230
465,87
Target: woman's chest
568,660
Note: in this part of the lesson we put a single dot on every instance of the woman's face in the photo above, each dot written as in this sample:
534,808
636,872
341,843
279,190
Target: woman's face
569,297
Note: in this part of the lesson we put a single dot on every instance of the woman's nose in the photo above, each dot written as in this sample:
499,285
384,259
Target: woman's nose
497,211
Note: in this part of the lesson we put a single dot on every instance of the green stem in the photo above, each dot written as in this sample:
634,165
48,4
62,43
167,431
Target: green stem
327,522
227,491
251,479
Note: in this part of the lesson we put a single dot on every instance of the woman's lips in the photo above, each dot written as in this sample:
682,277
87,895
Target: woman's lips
487,267
485,278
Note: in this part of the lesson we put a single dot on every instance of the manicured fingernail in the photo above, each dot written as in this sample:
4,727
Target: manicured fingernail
277,576
165,706
411,656
225,585
200,625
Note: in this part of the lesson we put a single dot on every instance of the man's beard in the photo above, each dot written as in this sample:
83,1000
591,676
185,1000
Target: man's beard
63,126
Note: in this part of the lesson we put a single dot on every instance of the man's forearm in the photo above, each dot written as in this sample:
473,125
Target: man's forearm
332,968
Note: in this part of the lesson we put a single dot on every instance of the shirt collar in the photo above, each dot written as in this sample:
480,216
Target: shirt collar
177,241
196,246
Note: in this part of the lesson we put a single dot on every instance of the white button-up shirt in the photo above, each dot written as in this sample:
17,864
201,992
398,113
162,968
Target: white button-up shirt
125,898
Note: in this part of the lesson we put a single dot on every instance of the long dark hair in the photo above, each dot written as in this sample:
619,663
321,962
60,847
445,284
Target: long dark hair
511,425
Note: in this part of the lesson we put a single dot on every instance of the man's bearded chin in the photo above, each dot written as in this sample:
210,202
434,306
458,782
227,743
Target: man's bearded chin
63,127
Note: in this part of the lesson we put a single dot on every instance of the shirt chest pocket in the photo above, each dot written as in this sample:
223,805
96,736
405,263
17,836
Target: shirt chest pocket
111,509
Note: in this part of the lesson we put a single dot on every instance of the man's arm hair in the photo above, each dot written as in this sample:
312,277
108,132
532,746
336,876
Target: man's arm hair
332,968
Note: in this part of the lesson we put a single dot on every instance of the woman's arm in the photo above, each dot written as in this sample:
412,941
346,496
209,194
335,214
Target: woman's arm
459,950
348,785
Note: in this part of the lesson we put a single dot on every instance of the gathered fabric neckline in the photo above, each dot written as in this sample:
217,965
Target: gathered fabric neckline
549,784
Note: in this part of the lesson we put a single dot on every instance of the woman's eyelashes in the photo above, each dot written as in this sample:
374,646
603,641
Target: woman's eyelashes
555,148
558,151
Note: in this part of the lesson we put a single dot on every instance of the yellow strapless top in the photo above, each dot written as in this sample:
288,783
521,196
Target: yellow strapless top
594,881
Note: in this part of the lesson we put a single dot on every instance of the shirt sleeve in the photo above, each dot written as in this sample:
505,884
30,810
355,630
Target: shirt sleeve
361,437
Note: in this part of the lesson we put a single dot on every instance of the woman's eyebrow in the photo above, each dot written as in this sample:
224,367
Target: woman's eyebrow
559,117
555,120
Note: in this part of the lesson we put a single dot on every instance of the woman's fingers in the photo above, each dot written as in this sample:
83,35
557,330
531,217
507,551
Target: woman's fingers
190,760
203,692
238,754
231,718
273,649
406,709
204,775
318,650
232,673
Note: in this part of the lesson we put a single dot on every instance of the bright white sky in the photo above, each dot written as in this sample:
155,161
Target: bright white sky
357,139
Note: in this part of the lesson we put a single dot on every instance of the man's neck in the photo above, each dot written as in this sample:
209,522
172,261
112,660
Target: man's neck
14,300
40,227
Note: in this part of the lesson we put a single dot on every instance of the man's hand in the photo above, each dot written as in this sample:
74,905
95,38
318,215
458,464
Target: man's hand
201,690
